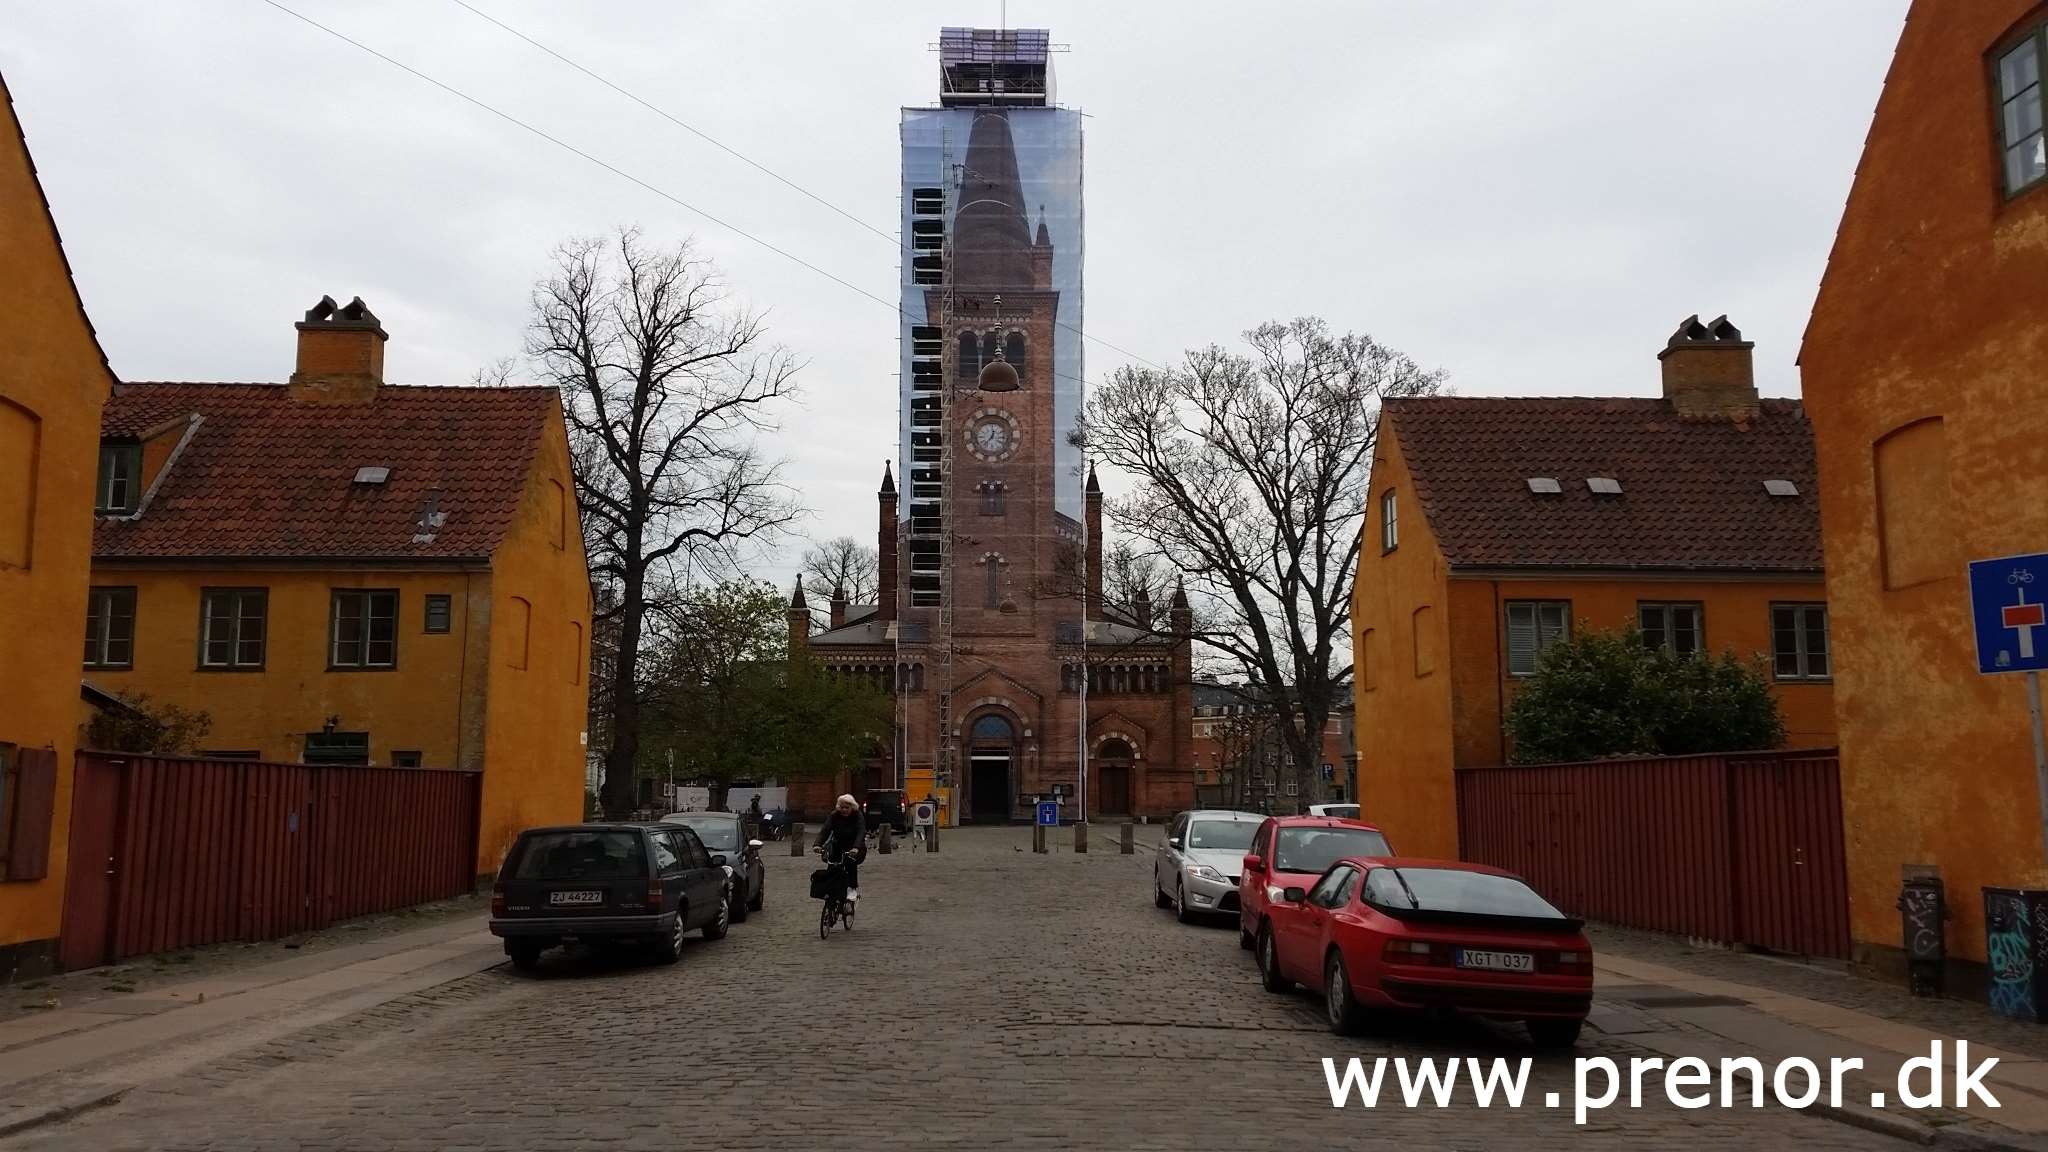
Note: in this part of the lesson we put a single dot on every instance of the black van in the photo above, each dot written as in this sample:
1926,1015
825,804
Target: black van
643,883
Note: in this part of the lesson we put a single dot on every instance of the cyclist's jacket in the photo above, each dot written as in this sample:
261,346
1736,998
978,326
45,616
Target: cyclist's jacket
842,833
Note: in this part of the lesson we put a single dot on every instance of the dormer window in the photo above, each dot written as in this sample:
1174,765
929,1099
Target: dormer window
120,482
2019,114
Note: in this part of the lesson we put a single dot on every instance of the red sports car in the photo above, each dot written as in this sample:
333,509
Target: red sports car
1291,851
1430,934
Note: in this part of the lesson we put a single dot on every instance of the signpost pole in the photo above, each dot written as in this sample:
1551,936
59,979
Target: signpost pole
2040,757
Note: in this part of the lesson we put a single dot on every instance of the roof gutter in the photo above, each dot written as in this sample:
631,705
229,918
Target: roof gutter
1673,575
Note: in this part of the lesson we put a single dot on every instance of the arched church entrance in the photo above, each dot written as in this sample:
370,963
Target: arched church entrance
991,760
1113,762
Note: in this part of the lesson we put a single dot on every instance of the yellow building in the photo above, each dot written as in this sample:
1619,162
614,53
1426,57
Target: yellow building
1498,526
1923,368
339,570
53,379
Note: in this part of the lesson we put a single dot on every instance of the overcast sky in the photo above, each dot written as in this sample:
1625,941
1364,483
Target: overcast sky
1529,195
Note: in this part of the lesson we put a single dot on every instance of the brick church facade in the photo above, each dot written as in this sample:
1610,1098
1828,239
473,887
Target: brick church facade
1002,657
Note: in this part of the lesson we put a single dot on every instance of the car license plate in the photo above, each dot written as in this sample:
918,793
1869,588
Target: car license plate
1496,961
576,897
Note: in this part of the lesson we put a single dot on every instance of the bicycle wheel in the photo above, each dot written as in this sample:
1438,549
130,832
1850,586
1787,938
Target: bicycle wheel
825,920
846,917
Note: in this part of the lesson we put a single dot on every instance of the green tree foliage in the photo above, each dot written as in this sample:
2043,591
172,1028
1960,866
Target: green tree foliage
734,706
1604,694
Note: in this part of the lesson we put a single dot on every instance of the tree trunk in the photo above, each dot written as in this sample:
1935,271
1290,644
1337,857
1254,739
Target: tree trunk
621,761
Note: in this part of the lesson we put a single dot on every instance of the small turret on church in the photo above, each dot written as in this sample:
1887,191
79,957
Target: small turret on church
799,620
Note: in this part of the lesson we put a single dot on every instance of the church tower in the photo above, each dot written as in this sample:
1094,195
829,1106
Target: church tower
995,637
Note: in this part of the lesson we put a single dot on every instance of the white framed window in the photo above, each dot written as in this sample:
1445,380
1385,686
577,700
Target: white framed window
1390,522
2017,74
1676,628
1533,626
1799,642
231,627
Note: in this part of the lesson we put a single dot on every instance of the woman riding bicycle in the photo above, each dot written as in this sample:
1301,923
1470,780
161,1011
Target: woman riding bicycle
843,841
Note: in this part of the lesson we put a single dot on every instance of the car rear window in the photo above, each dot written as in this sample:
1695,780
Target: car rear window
1312,850
719,833
1222,835
612,855
1456,890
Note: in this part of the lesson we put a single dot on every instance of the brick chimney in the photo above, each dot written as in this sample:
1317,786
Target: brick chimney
341,354
839,606
1709,370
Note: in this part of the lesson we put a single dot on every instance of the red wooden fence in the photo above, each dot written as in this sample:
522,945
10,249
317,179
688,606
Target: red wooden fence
1739,848
176,853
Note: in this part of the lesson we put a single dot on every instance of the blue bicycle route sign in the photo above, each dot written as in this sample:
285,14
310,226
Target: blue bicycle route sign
2009,609
1049,813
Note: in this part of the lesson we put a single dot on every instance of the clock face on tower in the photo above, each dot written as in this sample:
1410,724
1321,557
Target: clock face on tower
992,434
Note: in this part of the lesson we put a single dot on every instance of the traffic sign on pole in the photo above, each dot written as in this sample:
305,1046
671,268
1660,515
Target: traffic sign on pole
1048,813
2009,607
2007,610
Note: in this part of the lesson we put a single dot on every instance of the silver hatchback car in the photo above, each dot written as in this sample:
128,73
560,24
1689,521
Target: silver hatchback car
1195,874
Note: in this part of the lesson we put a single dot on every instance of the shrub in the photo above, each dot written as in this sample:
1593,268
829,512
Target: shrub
1605,694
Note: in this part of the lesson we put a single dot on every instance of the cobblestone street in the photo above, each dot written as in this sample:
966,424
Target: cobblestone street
987,998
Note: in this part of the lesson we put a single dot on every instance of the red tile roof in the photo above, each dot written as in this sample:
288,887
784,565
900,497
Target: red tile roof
1692,489
264,476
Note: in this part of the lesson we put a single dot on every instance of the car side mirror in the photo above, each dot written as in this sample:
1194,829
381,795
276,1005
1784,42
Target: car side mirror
718,861
753,843
1294,895
1254,863
1173,841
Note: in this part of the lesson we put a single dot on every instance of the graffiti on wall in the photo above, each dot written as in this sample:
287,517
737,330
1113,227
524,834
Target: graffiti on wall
2009,953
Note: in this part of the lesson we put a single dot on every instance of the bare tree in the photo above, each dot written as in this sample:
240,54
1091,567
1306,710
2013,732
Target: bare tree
1252,475
1130,575
666,387
842,562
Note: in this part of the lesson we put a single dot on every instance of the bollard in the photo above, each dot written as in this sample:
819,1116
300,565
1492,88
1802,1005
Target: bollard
1080,836
931,838
1125,846
1038,839
796,839
886,842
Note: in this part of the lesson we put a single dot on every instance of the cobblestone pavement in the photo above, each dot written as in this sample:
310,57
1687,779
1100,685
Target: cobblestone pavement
987,997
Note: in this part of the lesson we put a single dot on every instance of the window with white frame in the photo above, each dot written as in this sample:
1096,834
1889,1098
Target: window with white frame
1676,628
1799,642
2023,145
1533,626
1390,522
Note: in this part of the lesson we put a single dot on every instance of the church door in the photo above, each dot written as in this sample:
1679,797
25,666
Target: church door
991,751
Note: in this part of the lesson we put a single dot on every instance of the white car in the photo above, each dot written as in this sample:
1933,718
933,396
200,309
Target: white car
1335,811
1195,874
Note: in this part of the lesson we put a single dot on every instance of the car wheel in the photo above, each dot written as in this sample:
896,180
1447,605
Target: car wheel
525,954
1159,897
669,948
739,907
1345,1013
1245,939
760,894
1555,1033
1269,964
721,918
1180,903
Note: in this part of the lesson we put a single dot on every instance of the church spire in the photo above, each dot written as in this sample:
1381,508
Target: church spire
888,481
1044,237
